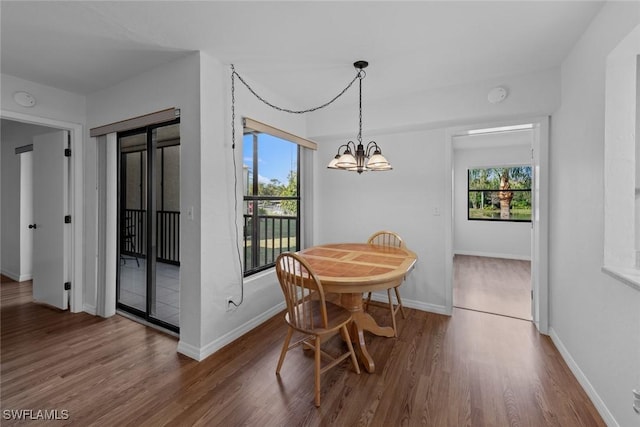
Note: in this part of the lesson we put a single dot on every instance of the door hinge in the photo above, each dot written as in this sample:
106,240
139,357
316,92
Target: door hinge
67,219
67,152
67,286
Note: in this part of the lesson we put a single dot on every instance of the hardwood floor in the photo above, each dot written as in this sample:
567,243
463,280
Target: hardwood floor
493,285
471,369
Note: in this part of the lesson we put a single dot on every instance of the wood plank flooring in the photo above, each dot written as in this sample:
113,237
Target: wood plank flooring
471,369
493,285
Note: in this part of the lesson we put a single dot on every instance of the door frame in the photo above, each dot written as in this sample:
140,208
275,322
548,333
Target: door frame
150,233
76,202
540,224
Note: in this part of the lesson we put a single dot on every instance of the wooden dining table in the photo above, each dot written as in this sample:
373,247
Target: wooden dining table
350,269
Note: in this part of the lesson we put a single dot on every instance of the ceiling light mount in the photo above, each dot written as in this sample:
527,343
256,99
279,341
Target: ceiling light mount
361,64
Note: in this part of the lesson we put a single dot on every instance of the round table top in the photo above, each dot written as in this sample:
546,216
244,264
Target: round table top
358,267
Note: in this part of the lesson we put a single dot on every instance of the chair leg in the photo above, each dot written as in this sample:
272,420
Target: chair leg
317,369
404,315
345,336
285,348
393,313
367,301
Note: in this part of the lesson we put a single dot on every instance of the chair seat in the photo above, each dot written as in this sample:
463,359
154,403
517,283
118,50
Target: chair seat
337,317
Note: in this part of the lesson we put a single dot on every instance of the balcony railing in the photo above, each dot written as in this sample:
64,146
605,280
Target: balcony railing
133,238
275,234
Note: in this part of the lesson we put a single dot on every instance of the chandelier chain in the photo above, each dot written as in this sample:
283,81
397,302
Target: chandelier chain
360,105
287,110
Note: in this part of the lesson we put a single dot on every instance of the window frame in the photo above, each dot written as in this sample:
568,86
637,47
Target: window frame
254,198
253,127
469,191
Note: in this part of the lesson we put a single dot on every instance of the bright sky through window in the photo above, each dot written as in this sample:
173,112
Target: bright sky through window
275,162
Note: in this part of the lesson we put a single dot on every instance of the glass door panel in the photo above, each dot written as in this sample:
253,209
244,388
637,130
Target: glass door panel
132,273
166,291
149,269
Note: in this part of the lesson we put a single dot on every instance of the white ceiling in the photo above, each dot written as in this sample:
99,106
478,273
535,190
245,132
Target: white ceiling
302,50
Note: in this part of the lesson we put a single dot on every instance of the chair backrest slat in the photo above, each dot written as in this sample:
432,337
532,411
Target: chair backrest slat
386,238
301,288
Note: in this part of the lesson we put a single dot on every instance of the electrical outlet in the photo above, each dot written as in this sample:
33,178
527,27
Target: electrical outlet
229,306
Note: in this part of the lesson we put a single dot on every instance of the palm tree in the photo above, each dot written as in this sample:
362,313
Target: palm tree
505,195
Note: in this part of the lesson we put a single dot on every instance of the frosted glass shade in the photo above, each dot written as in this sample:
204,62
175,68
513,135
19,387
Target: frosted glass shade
377,161
346,161
333,164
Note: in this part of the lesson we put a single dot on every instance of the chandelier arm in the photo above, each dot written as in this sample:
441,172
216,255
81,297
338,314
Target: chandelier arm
371,146
286,110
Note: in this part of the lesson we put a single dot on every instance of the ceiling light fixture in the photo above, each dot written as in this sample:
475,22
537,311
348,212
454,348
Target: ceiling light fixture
358,158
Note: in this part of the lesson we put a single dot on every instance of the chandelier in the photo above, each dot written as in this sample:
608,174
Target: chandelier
360,158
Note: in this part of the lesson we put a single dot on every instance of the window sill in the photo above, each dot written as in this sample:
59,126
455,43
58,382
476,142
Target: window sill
260,275
628,276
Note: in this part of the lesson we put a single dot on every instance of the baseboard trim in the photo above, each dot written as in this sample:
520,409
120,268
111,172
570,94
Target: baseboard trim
16,277
583,380
493,255
417,305
11,275
91,309
202,353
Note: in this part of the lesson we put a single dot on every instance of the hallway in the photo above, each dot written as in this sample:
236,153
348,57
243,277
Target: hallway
492,285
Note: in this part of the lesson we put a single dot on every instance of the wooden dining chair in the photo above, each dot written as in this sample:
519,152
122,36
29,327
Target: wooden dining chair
308,313
388,238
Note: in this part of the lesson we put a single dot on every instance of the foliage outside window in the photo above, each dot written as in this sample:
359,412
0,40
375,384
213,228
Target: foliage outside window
499,194
271,199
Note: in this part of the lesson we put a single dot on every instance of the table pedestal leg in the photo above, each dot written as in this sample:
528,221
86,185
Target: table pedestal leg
362,322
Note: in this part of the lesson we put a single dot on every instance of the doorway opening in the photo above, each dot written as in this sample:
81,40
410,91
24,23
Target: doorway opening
493,222
148,272
56,204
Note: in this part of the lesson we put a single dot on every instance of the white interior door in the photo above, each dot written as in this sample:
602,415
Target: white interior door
50,205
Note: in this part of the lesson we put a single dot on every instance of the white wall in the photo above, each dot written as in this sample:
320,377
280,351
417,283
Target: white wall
15,134
172,85
349,207
51,103
56,108
594,319
536,94
489,238
210,270
220,269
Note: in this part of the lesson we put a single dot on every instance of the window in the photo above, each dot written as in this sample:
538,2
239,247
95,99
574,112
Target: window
271,199
499,194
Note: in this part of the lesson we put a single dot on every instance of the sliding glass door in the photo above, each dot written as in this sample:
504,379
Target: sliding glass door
149,223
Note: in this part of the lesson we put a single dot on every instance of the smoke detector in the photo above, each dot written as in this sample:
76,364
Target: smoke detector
497,95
